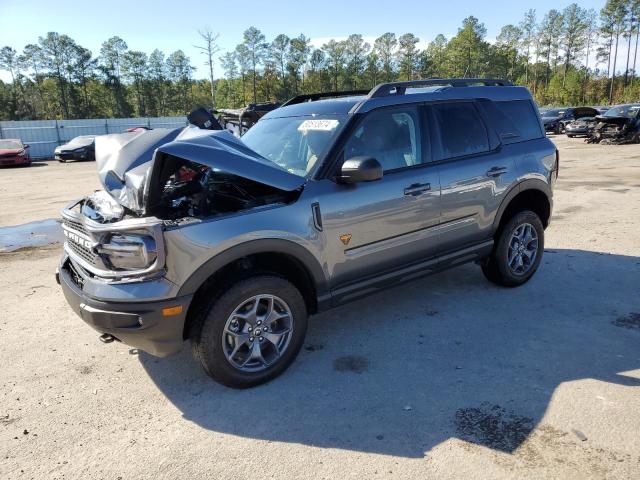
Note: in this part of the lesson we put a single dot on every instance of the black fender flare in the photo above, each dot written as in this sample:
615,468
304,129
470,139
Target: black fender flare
267,245
528,184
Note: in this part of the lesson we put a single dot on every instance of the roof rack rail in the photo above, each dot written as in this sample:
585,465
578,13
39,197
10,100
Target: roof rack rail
399,88
313,97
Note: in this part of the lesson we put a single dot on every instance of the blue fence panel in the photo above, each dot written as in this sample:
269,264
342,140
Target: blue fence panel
44,136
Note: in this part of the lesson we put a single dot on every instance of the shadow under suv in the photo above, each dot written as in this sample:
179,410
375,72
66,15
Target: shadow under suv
231,243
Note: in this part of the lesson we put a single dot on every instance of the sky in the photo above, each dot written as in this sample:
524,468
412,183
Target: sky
172,25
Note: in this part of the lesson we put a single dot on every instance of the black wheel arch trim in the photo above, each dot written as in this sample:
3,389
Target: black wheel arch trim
261,246
528,184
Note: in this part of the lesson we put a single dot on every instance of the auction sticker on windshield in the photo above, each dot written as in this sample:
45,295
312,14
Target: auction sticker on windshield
323,125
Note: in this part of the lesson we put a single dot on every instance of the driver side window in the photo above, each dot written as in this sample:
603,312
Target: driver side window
391,136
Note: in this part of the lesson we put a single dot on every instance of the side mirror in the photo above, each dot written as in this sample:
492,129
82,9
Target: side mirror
25,146
360,169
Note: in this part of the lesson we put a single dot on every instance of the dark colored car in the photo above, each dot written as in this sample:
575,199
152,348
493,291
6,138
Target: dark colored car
14,152
78,148
581,127
555,120
238,121
619,125
232,242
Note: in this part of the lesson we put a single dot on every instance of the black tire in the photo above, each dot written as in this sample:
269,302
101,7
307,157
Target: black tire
570,136
207,335
496,268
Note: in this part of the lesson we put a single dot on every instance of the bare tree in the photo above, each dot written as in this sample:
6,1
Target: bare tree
209,49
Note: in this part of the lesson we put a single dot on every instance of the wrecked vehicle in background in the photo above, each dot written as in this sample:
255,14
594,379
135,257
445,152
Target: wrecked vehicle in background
238,121
583,126
619,125
556,120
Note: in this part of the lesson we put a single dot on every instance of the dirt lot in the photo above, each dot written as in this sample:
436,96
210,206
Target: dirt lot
446,377
42,190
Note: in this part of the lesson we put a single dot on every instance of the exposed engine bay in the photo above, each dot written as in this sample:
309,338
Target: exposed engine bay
194,190
162,179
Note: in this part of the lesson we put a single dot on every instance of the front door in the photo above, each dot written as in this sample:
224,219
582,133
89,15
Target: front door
377,227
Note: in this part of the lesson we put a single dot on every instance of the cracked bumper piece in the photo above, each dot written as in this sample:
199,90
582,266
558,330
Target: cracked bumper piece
152,326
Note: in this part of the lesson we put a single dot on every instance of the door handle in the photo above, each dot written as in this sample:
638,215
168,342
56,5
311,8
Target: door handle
417,188
496,171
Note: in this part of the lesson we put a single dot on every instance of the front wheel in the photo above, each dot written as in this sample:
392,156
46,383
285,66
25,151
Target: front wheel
252,332
517,252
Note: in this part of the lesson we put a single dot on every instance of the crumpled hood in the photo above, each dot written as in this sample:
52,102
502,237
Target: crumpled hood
614,120
126,162
123,161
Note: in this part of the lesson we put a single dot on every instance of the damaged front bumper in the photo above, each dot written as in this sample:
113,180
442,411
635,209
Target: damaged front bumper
145,315
137,306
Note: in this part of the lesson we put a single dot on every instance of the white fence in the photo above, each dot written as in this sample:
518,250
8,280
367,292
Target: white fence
45,135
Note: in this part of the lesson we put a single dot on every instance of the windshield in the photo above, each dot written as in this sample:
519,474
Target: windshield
10,144
553,113
294,143
628,111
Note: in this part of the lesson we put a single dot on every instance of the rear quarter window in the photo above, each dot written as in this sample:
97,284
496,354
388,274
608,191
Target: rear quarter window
461,130
514,121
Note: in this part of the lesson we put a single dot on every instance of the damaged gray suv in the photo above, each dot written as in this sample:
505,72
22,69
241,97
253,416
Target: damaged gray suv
232,243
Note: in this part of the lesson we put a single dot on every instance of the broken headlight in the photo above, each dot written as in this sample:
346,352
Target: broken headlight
129,251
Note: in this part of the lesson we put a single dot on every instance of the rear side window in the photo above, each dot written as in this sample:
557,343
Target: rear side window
514,121
460,129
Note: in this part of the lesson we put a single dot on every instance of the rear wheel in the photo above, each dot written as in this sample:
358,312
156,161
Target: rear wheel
517,252
252,332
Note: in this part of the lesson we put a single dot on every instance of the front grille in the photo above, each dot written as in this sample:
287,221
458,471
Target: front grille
83,252
75,225
77,235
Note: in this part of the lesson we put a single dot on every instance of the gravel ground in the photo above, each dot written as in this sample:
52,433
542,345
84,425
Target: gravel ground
445,377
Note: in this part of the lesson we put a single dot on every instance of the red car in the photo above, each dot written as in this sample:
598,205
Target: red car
14,152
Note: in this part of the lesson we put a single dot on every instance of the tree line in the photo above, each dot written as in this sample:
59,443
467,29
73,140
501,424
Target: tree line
565,57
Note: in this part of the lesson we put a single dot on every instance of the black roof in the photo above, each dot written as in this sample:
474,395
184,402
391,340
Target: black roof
397,93
339,106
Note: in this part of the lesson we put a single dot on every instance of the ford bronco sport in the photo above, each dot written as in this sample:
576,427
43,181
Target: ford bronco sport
232,243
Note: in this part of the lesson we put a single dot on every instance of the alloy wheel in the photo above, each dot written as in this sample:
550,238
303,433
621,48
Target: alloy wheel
257,333
523,249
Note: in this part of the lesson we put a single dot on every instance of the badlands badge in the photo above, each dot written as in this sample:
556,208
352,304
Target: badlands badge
345,238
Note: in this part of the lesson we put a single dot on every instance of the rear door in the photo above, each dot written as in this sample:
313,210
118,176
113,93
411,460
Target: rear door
474,173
